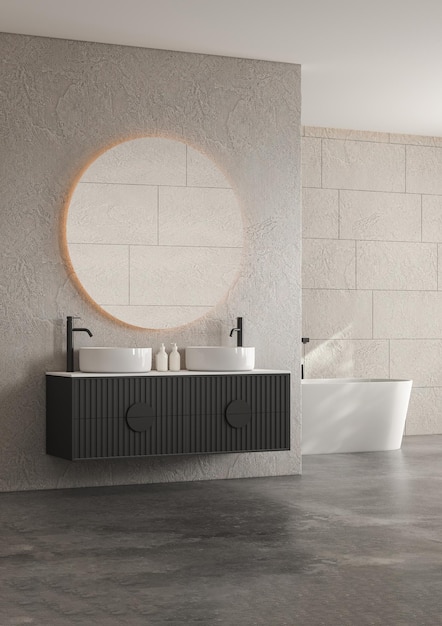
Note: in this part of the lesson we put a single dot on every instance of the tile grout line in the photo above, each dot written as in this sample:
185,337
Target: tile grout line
405,169
364,338
339,214
413,241
420,291
422,217
404,142
354,190
389,358
152,245
128,278
158,215
172,186
356,264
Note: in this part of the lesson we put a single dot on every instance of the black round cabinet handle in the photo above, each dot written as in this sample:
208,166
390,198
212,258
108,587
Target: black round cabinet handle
140,417
238,413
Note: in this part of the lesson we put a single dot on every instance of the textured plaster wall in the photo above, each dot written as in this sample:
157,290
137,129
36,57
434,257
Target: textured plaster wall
372,269
60,102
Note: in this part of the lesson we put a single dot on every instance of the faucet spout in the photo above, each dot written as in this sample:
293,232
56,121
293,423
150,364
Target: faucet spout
70,330
84,330
238,330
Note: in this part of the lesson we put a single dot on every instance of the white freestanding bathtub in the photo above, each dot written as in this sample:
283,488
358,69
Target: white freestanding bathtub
353,415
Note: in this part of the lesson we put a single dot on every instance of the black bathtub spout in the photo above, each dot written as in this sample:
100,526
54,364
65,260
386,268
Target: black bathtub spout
70,330
304,341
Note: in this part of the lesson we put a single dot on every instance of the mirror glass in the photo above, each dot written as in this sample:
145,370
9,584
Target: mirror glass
154,233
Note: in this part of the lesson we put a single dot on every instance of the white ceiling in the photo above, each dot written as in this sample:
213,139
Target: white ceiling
366,65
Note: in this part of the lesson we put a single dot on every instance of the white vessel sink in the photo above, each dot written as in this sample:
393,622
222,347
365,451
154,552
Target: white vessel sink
219,358
109,360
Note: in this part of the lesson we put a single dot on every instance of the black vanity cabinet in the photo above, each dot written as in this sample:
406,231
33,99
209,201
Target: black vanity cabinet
133,416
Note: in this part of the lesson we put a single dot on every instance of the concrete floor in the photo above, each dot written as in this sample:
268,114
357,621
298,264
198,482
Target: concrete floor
357,540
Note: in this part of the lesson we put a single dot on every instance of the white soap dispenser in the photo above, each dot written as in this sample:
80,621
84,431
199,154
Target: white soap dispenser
161,359
174,359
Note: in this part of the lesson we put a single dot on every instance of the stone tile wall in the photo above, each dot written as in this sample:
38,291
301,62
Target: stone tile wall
372,274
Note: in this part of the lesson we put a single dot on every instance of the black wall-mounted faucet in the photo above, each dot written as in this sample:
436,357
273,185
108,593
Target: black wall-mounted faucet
70,341
238,330
304,341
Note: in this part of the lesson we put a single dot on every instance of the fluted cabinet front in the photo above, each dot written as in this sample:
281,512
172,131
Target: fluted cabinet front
105,417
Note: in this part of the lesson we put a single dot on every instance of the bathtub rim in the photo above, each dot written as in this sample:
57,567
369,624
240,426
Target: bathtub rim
341,381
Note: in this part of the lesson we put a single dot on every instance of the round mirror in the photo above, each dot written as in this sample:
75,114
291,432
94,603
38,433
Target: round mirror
154,233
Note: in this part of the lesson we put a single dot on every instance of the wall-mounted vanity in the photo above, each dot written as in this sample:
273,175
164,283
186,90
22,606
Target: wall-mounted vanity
93,416
153,237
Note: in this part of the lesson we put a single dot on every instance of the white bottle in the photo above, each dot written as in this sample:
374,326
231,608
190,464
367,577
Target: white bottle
161,359
174,359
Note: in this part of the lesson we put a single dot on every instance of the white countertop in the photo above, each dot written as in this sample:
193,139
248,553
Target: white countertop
155,373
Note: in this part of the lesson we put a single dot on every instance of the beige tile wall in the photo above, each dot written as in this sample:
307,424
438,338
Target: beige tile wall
372,262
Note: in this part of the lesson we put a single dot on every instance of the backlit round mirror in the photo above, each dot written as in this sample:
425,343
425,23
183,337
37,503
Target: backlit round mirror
154,233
